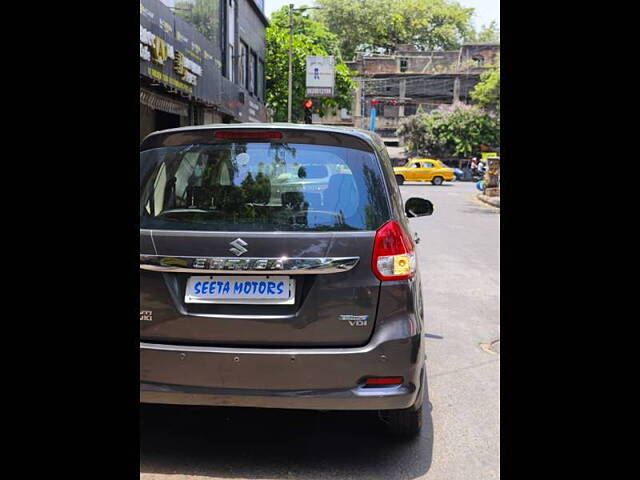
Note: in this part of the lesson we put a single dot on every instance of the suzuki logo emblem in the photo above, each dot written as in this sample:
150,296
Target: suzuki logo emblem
238,247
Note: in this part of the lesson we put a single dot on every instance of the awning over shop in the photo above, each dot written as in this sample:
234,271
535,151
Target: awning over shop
163,104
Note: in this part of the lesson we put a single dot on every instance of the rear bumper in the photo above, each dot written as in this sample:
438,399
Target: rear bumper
358,398
316,379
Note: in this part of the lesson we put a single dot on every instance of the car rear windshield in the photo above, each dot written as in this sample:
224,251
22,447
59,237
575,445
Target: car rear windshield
249,186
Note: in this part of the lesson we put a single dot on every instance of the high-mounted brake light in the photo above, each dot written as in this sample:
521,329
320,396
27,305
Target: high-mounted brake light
248,134
393,253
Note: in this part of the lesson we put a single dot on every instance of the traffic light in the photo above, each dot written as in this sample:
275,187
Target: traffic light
307,111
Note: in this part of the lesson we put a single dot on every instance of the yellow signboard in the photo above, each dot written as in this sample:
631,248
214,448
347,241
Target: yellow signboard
153,73
486,155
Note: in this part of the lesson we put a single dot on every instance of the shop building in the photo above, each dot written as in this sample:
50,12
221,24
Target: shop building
189,79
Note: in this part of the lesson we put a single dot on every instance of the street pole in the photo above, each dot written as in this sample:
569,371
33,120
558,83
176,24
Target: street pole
403,93
291,10
290,56
372,122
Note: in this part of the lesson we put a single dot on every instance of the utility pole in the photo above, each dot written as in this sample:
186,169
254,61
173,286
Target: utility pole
456,89
403,94
372,121
290,57
291,10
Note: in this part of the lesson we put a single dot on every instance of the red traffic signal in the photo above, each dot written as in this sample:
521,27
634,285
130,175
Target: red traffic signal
307,111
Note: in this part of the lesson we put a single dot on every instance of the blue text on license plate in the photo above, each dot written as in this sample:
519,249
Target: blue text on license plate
250,289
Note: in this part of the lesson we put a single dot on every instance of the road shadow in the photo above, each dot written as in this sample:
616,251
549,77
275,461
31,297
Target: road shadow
426,184
481,209
264,443
431,335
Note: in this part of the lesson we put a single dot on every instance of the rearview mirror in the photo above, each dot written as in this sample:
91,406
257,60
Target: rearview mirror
418,207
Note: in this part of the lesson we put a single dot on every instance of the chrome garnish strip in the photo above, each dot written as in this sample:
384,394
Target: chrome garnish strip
221,316
260,351
260,266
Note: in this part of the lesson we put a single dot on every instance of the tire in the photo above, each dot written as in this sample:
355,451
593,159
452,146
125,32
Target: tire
437,180
399,179
405,423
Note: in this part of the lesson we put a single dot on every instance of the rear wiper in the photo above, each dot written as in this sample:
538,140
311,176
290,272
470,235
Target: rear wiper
184,210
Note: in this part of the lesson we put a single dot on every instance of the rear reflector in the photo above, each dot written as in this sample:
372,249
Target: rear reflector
384,381
248,134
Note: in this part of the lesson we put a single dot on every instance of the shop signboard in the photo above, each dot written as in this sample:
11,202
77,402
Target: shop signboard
173,53
321,75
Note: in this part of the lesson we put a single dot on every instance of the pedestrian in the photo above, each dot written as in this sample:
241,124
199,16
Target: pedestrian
480,167
474,167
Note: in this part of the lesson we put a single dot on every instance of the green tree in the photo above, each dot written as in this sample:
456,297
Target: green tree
450,131
381,25
487,92
487,34
310,38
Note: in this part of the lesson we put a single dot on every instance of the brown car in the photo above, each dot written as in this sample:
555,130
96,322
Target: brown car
278,269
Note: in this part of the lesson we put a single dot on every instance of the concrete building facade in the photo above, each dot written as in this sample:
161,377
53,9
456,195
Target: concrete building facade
411,79
187,78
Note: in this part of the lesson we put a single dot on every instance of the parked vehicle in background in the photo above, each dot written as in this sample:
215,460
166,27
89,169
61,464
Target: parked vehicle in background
278,270
423,170
456,171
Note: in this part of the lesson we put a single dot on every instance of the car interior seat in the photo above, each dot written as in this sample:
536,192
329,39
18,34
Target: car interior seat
341,195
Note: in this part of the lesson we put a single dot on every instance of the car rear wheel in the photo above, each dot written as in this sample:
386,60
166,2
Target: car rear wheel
437,181
399,179
407,422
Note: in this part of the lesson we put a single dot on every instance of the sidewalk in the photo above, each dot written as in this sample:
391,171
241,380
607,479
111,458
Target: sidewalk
493,201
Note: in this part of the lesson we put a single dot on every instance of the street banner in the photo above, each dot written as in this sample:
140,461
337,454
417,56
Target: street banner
321,76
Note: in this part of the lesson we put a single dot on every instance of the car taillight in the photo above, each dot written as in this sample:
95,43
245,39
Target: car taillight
393,253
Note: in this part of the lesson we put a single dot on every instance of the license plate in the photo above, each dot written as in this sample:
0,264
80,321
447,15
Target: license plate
249,289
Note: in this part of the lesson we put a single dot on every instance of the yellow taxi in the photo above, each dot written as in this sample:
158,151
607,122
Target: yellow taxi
423,170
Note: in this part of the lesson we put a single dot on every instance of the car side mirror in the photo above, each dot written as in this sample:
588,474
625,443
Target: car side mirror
418,207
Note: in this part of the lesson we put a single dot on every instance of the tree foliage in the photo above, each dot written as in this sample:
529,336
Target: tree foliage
487,92
450,131
381,25
310,38
487,34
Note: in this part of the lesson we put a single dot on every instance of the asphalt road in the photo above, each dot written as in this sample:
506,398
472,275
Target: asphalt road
459,256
